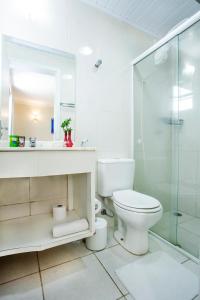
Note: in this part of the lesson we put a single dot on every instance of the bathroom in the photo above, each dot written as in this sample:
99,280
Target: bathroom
123,76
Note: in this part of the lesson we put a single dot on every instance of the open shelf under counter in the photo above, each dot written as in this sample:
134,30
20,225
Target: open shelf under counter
32,182
34,233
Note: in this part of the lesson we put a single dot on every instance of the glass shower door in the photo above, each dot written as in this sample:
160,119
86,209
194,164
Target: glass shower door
156,126
188,229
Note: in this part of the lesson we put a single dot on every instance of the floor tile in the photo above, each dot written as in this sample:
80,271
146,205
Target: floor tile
155,245
16,266
188,241
192,266
114,258
128,297
26,288
195,268
83,278
61,254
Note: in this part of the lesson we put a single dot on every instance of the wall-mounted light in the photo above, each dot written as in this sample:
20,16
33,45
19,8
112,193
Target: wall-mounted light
35,117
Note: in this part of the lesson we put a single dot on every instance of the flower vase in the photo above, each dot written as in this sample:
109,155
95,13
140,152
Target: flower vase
69,142
65,138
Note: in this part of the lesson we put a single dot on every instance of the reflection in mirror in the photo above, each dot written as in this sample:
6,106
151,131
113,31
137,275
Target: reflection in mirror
38,90
33,95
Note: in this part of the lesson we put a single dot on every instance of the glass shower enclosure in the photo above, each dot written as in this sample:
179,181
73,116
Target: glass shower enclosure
167,133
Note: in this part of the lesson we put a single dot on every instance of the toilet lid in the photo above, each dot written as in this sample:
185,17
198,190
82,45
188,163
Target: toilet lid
132,199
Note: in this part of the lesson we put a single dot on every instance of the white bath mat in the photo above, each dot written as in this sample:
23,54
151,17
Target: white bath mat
158,276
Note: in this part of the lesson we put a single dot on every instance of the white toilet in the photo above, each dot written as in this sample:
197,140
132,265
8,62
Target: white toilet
136,212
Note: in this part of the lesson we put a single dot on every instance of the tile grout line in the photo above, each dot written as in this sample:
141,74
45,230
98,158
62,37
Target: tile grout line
67,261
21,277
41,270
56,265
123,297
186,260
110,277
40,277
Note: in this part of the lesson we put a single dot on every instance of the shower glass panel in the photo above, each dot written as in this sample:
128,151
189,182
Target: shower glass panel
166,136
156,127
188,230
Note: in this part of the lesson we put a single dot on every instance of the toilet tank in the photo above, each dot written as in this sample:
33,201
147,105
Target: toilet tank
115,175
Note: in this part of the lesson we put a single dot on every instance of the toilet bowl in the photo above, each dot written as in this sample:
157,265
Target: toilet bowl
137,213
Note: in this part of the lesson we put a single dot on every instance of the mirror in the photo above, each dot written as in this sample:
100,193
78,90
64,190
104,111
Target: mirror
38,90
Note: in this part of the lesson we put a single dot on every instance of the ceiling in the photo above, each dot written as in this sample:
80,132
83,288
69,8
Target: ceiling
155,17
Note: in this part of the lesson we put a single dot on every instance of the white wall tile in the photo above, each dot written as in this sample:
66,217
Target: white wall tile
14,211
188,166
16,266
48,188
187,203
45,207
14,190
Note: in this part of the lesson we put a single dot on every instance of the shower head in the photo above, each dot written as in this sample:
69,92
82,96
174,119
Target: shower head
98,63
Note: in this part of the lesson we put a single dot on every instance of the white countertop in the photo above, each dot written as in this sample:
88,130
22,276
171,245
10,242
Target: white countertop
41,148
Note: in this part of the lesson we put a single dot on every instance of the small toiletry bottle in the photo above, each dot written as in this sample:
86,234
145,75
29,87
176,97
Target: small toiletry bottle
14,141
32,141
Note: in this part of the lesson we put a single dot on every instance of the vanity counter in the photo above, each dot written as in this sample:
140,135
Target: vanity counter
53,148
45,161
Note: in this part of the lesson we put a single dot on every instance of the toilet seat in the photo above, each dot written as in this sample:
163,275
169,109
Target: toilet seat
137,202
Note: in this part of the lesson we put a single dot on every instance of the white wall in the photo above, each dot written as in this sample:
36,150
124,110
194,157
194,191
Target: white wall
104,98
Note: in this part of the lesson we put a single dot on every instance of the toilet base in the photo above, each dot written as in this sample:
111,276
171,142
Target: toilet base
138,243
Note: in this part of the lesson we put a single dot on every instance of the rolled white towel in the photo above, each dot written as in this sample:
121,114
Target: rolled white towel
70,227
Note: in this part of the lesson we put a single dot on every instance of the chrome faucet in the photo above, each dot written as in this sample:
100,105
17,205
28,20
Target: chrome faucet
84,142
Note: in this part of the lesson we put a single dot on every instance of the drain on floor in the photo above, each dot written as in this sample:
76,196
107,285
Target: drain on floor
177,214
